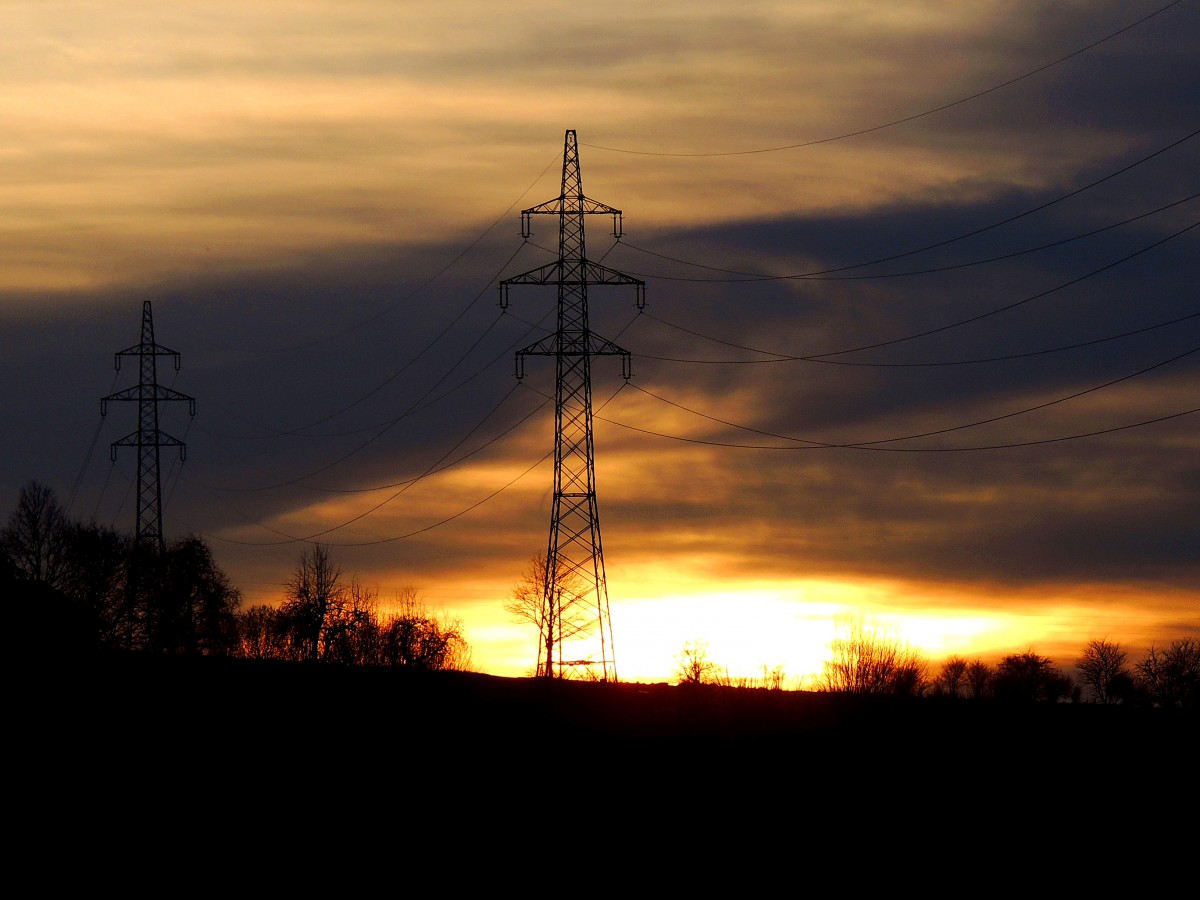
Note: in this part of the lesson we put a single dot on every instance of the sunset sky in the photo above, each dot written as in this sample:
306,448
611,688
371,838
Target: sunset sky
921,325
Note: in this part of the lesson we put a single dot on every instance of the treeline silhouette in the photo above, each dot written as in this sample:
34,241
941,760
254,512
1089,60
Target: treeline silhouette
324,618
93,589
867,660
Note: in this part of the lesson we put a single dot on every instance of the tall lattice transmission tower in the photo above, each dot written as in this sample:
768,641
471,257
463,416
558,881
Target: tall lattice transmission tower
575,622
148,438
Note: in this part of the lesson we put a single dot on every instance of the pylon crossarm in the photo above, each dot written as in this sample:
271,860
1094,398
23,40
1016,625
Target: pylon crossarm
547,346
137,439
598,346
130,440
165,440
592,274
550,273
145,350
130,393
598,274
567,206
148,392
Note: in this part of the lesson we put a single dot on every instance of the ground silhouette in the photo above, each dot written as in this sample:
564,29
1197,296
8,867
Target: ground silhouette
263,708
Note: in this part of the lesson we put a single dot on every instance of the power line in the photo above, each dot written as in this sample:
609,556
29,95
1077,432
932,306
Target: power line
419,406
429,346
415,478
1037,296
941,328
87,456
819,446
938,244
302,431
390,425
909,365
434,467
823,276
1030,409
289,539
873,443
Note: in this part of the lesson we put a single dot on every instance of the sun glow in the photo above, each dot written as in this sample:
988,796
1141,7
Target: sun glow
754,630
746,629
750,629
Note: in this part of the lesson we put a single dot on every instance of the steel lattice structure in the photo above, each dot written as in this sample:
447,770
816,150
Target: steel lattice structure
148,438
576,625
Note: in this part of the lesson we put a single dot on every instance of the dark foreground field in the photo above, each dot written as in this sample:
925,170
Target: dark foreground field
269,713
280,748
200,762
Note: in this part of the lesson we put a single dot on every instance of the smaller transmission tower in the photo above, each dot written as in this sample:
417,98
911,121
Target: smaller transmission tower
575,592
148,438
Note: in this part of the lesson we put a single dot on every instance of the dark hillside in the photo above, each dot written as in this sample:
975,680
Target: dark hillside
267,702
218,729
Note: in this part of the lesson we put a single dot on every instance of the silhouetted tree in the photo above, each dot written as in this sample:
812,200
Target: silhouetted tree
774,678
979,679
314,588
94,578
93,588
1124,689
263,633
33,540
952,677
1101,664
694,665
1029,677
868,660
415,639
193,606
174,600
351,632
558,616
1171,675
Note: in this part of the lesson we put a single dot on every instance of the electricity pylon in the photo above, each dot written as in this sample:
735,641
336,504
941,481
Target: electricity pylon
148,438
575,593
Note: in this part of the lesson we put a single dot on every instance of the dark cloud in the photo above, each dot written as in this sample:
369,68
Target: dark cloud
351,371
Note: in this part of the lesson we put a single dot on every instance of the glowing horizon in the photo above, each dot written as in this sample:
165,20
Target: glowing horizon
761,625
